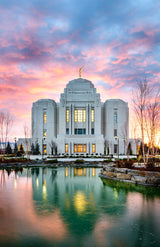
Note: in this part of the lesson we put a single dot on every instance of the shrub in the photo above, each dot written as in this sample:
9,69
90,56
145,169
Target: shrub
51,161
79,161
124,159
120,163
107,161
150,164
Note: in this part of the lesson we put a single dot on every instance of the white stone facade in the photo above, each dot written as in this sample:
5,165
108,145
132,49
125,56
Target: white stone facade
80,123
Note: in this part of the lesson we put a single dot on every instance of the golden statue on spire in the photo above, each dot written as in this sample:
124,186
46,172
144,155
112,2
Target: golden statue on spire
80,71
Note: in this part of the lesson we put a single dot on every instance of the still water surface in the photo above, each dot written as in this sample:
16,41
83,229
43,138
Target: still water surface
72,207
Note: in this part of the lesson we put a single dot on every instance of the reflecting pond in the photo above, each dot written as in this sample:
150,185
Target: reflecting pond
71,206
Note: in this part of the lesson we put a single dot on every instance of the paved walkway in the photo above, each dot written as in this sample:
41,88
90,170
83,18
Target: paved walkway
39,157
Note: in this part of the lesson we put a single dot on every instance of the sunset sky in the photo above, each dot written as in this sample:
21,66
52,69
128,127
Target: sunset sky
44,43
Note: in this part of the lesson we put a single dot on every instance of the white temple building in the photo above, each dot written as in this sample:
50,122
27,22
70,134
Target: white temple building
80,123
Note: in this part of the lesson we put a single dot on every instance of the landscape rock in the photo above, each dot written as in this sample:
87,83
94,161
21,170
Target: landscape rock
132,176
139,179
123,176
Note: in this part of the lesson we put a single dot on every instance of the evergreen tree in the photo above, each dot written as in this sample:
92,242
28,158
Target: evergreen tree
32,149
21,149
8,149
37,149
56,150
15,148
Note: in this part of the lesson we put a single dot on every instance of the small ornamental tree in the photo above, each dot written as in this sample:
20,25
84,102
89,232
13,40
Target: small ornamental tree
8,149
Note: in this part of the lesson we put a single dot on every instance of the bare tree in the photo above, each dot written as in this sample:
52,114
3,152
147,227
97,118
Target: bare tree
105,146
2,120
124,135
140,98
52,146
27,141
153,120
6,121
136,137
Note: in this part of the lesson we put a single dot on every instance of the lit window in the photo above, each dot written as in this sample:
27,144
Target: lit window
80,148
44,148
44,133
115,132
80,115
115,117
67,115
92,131
92,115
67,131
66,148
93,148
44,117
75,116
75,148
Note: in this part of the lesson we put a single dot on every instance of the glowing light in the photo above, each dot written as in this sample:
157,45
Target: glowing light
37,182
44,190
79,171
15,183
66,172
115,193
80,202
93,172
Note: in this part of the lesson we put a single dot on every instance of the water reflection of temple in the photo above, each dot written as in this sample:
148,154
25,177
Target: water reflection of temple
57,207
79,171
77,192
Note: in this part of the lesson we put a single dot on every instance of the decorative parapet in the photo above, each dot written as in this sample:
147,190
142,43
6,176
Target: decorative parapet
131,176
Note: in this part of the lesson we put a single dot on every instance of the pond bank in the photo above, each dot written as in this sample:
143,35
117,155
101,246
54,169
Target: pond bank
41,163
147,178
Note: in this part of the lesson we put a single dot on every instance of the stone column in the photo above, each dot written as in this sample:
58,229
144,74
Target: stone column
72,119
87,119
87,147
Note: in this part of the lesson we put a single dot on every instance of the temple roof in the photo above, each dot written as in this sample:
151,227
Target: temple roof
80,84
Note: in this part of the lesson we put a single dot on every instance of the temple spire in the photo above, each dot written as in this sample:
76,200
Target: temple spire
80,71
